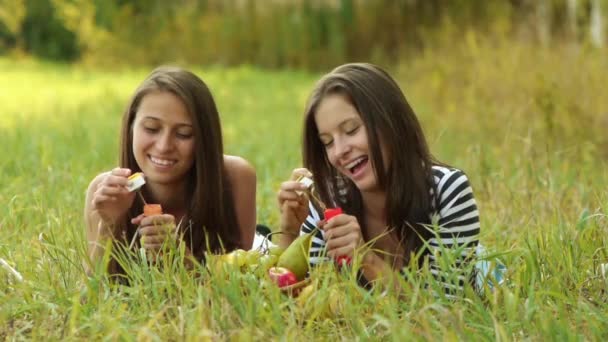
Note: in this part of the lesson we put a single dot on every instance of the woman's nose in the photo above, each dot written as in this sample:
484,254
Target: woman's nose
165,142
341,148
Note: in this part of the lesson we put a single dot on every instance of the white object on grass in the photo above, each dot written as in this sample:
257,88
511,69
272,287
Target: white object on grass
489,271
11,270
604,270
261,243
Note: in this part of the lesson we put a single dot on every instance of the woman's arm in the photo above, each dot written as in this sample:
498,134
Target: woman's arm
457,219
243,180
106,204
458,229
97,233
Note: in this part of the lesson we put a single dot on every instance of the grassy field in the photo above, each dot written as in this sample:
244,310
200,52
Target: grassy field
526,124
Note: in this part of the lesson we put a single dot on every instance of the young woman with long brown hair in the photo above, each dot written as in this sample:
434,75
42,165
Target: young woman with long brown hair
171,133
366,152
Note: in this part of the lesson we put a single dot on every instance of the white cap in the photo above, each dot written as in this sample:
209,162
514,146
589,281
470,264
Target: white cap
136,181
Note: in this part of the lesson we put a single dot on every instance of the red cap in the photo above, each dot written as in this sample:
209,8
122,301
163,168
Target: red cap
344,260
331,212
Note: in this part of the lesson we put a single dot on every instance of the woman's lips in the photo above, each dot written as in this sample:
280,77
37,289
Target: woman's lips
357,166
162,162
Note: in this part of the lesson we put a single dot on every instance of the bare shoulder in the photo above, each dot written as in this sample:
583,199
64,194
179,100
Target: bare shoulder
238,168
243,181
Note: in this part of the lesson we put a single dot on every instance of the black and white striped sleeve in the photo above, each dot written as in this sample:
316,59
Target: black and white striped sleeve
317,248
457,220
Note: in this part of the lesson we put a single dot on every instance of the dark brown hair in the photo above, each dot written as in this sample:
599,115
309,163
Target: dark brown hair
211,220
389,120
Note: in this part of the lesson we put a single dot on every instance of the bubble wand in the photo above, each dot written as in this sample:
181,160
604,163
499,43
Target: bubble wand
134,183
328,213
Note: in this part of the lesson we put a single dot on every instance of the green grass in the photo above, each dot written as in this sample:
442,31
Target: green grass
526,124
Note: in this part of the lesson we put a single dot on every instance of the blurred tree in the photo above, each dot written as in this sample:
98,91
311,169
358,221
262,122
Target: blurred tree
276,33
543,23
44,35
12,14
597,24
573,19
79,17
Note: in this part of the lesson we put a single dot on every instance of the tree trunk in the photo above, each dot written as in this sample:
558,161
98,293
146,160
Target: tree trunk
596,24
543,22
573,20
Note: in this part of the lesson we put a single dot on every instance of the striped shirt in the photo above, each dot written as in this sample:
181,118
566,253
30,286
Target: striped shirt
455,217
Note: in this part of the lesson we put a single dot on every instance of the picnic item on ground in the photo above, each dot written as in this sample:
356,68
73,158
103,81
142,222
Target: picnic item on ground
282,276
295,257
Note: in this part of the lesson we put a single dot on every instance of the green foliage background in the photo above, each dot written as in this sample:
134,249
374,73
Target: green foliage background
312,34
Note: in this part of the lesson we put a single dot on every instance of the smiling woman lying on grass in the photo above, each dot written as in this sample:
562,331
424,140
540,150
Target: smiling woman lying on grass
367,154
171,132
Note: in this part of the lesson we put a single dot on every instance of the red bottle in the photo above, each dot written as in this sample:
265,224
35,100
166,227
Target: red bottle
342,260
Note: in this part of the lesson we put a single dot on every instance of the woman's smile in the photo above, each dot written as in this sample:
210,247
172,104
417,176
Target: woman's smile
162,162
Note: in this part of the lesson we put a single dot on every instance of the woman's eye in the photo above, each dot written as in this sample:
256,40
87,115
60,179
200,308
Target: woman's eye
353,131
327,143
184,135
150,129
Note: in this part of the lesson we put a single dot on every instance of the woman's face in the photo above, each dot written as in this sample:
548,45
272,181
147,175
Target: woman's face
344,136
163,140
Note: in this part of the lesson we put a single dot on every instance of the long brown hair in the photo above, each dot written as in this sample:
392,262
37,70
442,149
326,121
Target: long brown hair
389,119
211,217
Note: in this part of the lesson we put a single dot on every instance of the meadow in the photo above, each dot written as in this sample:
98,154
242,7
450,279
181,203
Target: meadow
527,125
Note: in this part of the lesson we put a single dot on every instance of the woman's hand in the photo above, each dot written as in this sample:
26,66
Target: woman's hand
342,235
155,230
111,200
293,202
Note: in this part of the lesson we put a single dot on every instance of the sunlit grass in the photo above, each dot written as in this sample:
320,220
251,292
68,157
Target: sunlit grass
527,126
